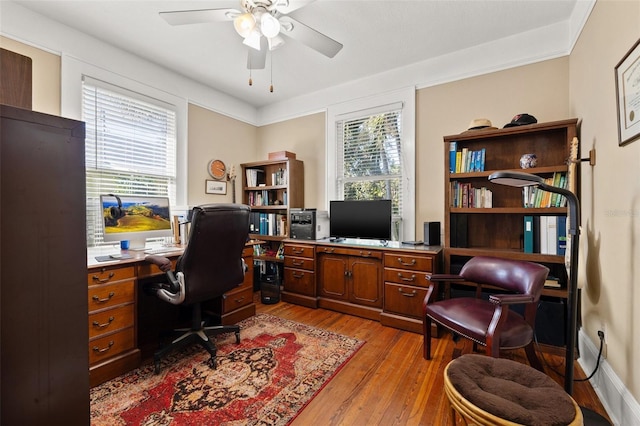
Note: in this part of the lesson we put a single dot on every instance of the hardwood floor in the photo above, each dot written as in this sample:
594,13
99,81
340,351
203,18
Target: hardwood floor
388,382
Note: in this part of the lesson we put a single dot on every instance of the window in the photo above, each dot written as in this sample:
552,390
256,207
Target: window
374,159
130,147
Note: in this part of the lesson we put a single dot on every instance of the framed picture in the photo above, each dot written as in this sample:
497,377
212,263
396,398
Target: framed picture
215,187
628,95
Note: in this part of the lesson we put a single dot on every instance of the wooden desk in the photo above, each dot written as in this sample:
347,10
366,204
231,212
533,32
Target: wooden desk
385,283
123,321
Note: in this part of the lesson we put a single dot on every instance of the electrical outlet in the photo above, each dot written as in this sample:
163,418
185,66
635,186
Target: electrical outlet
603,330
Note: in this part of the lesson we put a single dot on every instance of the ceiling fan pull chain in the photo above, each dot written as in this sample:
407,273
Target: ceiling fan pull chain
271,66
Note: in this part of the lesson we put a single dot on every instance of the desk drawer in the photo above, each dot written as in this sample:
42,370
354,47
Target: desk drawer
110,320
111,345
404,277
298,262
109,275
108,295
298,250
299,281
408,261
359,252
236,299
404,300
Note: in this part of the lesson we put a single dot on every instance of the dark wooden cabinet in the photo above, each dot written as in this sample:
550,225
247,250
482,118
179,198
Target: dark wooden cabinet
44,361
299,284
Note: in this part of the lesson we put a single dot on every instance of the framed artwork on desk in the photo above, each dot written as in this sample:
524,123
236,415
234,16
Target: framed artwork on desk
215,187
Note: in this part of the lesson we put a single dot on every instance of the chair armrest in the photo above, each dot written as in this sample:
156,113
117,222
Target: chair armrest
444,277
510,299
160,261
165,266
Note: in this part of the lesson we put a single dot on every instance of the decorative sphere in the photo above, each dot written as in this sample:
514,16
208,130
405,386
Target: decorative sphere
528,160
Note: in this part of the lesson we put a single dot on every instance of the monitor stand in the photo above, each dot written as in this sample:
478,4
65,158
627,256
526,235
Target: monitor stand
137,244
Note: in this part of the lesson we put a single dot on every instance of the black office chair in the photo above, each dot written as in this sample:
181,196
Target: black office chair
210,266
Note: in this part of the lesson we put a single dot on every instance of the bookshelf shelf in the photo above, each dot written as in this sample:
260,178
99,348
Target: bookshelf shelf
499,230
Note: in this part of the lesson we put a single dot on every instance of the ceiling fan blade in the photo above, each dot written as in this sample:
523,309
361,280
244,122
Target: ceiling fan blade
184,17
257,58
312,38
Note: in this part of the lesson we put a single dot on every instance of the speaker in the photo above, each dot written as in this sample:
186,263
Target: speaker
432,233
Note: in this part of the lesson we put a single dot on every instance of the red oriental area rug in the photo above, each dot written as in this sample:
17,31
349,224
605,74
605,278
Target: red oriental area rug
277,368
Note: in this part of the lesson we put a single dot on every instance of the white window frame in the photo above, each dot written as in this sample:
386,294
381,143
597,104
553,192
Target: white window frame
338,112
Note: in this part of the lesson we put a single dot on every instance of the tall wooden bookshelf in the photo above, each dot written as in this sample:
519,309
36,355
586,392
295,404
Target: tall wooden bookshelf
271,188
499,230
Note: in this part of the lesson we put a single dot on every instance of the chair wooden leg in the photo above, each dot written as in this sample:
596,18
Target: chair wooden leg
534,361
426,346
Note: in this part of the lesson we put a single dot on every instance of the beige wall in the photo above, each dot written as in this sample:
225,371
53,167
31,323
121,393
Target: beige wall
46,76
610,249
304,136
211,136
539,89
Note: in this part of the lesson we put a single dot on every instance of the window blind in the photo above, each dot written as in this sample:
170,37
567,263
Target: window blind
369,158
130,148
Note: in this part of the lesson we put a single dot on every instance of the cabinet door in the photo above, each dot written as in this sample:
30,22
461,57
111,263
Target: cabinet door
365,280
333,271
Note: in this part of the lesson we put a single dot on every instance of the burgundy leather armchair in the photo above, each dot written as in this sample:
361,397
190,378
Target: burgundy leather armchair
490,323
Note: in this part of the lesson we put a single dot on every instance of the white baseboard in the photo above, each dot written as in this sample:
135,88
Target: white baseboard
620,405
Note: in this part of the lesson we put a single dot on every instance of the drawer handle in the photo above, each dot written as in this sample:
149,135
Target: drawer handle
296,263
103,280
298,275
404,293
408,280
98,300
365,254
96,324
402,262
297,250
98,350
239,300
328,250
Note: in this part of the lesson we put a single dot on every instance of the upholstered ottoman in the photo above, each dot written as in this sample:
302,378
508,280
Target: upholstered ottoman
494,391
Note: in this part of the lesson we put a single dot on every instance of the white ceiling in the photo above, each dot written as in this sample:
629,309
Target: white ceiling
378,36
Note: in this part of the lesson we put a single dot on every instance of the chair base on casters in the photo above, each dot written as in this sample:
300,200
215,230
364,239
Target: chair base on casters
198,333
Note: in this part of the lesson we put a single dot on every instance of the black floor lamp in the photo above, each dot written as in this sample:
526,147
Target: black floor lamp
520,179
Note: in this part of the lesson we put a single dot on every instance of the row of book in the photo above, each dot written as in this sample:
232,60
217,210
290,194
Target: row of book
266,198
535,197
255,177
545,234
273,224
465,160
463,194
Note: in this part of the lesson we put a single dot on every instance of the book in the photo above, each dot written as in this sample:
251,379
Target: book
552,234
562,235
453,146
528,234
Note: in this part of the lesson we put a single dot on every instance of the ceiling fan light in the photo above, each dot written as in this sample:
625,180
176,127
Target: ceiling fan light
275,42
269,25
244,24
253,40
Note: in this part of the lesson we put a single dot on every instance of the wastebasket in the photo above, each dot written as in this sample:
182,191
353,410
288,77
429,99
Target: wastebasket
270,284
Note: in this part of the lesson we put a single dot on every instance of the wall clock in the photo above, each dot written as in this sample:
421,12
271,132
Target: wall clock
217,169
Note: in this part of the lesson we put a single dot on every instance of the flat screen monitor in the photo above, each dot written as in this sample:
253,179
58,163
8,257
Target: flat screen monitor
369,219
135,218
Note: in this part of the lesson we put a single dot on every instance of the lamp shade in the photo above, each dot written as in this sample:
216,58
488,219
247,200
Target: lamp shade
253,40
269,25
244,24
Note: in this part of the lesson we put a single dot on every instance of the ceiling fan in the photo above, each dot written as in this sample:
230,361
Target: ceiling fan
262,24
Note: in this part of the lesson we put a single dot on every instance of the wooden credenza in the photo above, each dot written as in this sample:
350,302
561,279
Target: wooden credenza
124,322
371,280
